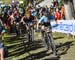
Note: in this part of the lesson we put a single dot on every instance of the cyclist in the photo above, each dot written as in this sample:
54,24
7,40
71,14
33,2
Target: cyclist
27,22
27,18
46,23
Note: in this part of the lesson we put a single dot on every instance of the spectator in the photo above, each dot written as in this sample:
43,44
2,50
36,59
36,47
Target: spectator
50,16
57,15
34,3
55,3
62,12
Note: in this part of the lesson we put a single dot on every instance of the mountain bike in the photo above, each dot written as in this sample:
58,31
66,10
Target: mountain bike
48,39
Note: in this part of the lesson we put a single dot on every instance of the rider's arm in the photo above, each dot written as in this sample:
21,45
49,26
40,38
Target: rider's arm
9,18
41,19
22,19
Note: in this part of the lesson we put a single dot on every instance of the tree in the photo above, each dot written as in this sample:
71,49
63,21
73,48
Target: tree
74,4
74,7
25,3
68,11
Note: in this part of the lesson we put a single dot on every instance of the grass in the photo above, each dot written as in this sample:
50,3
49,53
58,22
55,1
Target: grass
36,50
6,1
9,1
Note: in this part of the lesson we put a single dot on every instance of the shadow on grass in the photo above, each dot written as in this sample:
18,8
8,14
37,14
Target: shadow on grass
39,55
14,46
63,48
13,39
19,50
58,38
36,55
52,58
33,45
22,48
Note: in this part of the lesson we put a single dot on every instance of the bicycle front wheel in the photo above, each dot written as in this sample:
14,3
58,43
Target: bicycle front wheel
52,43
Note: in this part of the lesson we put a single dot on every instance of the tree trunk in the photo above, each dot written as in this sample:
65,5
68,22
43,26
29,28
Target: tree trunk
74,7
74,4
68,11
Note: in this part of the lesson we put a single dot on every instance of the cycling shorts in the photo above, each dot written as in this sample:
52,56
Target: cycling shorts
46,24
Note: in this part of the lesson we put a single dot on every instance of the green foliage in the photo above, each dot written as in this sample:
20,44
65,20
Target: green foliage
6,1
21,5
61,3
24,4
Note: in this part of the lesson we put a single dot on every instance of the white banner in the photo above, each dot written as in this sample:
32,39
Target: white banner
64,26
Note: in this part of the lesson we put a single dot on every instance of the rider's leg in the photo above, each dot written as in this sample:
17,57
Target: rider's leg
43,35
27,28
53,45
28,32
16,27
1,54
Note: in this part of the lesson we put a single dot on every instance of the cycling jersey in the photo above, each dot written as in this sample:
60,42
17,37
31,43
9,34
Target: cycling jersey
43,19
